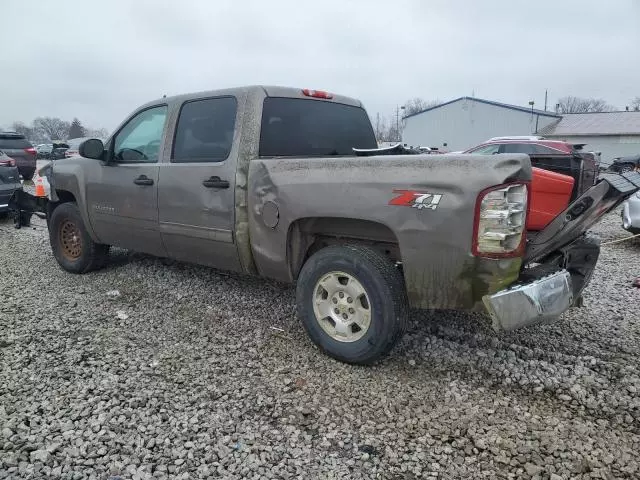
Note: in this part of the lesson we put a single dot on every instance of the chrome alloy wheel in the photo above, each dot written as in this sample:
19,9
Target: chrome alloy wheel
341,306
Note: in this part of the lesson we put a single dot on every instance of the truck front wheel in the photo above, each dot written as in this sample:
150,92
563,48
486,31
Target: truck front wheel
352,303
72,245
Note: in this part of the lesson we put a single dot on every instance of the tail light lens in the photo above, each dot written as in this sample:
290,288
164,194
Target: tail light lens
70,153
500,222
30,150
7,163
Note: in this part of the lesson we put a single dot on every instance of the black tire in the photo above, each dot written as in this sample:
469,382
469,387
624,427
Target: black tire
71,244
386,294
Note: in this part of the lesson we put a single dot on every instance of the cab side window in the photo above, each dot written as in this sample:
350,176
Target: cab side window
140,139
205,130
487,149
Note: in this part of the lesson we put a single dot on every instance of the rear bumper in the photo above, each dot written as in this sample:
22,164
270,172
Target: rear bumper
545,291
539,301
26,162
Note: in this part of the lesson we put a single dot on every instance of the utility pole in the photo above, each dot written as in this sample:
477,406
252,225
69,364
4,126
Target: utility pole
532,103
546,93
398,108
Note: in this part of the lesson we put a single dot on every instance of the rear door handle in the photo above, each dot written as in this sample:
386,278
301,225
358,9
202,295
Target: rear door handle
215,182
143,180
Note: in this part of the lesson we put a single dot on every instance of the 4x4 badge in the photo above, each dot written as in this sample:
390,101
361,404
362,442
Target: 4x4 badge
419,200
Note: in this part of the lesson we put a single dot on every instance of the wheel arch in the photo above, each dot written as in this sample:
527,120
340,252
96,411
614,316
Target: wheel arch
308,235
66,196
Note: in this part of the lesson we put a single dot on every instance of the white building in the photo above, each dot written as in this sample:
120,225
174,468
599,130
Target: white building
614,134
465,122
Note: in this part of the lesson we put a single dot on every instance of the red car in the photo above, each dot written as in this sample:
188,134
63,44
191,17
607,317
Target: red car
528,145
561,172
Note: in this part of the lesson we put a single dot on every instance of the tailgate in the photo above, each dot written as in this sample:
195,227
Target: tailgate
611,190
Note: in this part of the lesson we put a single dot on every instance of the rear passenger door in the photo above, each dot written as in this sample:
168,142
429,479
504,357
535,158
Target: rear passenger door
196,188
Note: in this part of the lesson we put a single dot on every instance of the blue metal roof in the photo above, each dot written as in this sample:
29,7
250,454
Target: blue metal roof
489,102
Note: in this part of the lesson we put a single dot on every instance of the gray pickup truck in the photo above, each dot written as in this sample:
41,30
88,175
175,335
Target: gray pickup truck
288,184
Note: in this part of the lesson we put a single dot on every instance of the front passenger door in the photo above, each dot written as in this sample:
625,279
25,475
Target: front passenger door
123,193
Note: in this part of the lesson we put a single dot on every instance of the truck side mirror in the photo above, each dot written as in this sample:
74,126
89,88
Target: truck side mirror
92,148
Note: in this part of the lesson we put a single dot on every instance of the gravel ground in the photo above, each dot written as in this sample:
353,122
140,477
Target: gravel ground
156,369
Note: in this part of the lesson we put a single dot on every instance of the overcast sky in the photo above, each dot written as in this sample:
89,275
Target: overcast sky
98,60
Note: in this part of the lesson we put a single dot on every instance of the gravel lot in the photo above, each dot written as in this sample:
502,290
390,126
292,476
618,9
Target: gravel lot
157,369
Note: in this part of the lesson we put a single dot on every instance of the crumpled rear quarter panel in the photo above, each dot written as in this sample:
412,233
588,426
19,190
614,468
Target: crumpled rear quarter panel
435,244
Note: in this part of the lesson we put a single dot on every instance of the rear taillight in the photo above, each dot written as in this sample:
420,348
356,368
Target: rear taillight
317,94
30,150
70,153
8,163
500,222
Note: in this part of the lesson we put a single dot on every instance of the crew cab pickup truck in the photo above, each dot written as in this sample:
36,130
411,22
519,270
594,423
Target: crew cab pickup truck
288,184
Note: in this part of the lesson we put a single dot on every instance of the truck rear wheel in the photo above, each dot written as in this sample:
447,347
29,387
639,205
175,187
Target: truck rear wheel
352,303
72,245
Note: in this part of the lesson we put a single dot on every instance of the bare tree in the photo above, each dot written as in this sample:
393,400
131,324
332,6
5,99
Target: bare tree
384,128
101,133
635,104
378,127
571,104
23,129
417,105
52,128
393,135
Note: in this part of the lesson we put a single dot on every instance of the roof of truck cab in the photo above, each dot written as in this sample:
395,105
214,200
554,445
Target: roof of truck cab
270,91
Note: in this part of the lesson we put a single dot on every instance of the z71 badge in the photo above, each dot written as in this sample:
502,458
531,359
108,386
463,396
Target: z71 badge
419,200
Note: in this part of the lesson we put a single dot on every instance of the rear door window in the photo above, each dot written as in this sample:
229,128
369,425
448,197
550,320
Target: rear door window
518,148
205,130
293,127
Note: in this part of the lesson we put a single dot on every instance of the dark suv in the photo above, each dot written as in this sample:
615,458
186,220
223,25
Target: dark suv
20,149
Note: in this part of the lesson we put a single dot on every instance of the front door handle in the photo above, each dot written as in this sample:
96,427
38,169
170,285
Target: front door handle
143,180
215,182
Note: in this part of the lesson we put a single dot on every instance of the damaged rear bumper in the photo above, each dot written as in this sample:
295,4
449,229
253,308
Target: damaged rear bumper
560,258
539,301
545,291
